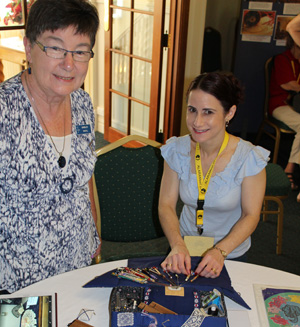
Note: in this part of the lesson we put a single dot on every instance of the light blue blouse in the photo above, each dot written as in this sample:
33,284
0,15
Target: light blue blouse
222,207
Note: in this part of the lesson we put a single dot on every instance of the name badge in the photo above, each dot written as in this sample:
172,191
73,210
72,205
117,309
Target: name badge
83,129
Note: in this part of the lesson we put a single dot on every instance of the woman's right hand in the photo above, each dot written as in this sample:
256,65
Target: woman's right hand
178,260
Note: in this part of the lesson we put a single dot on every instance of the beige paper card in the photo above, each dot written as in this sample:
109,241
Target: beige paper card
179,291
197,245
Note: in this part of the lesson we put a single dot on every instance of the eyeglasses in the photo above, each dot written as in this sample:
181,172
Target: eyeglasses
59,53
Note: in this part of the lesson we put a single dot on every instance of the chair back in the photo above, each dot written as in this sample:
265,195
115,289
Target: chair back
128,183
268,70
274,127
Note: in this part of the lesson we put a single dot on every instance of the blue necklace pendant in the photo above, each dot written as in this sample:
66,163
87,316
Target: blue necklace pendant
61,161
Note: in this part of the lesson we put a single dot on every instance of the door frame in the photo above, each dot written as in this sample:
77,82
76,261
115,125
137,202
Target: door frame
176,67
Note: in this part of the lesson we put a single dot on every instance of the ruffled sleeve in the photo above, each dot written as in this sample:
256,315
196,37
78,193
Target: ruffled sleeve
256,160
176,153
248,160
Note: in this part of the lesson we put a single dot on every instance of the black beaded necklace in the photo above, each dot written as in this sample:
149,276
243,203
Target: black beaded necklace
61,159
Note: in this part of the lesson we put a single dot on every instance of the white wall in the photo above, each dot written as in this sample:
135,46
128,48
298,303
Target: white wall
194,50
97,80
219,14
9,68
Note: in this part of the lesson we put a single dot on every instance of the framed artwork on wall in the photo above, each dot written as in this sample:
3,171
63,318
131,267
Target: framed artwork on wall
13,13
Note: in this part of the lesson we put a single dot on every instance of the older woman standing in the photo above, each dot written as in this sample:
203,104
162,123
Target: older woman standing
47,216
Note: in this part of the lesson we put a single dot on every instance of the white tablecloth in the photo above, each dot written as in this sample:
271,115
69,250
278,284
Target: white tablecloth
72,297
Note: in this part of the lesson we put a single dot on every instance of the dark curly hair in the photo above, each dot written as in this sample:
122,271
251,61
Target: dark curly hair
223,86
51,15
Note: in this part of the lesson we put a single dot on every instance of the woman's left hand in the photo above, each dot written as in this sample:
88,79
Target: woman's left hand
211,265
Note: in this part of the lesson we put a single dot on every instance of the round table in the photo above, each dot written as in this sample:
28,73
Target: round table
72,297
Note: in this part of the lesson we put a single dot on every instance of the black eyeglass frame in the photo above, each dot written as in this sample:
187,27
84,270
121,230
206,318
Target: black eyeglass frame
44,49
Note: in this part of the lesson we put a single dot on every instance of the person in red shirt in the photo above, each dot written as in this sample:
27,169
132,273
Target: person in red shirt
285,77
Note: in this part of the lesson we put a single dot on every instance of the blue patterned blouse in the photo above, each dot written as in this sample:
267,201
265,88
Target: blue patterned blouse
46,224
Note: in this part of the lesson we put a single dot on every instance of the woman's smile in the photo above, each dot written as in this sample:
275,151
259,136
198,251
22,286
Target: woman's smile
58,77
205,116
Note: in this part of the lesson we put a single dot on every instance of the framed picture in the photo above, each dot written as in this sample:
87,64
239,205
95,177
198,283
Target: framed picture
280,29
258,22
13,13
277,306
31,311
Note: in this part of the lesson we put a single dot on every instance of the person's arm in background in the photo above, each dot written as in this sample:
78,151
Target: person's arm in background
293,27
178,260
284,75
291,86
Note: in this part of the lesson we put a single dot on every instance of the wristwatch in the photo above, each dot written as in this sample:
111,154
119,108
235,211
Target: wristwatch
224,253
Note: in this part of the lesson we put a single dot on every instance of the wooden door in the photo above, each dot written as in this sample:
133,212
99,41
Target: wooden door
138,33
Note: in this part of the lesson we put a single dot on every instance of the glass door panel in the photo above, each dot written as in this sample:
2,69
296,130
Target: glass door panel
142,42
122,3
120,73
139,119
147,5
119,112
121,30
141,80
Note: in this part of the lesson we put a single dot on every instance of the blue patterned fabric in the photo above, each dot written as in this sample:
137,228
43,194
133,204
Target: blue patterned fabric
222,283
46,224
222,207
184,306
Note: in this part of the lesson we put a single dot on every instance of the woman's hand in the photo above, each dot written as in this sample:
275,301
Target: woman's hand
178,261
211,265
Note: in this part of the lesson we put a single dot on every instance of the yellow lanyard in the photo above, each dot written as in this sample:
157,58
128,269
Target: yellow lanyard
203,182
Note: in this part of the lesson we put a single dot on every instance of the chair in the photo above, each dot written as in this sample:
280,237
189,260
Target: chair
126,186
277,189
277,126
